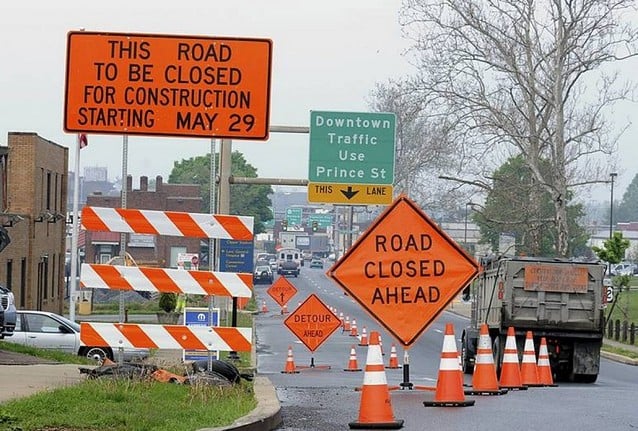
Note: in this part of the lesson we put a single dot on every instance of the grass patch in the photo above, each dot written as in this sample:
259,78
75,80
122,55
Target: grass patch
620,351
124,405
626,305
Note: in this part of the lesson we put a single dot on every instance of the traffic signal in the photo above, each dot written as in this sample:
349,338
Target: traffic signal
284,224
315,225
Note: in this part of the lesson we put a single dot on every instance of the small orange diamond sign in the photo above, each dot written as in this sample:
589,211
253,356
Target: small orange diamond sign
404,270
312,322
281,291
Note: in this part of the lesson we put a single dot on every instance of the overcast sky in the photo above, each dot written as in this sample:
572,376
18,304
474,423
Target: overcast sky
327,55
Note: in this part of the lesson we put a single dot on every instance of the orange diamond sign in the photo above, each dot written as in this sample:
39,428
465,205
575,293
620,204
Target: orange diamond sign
281,291
404,270
312,322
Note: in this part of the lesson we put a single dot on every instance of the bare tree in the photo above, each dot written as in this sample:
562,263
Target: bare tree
526,77
423,151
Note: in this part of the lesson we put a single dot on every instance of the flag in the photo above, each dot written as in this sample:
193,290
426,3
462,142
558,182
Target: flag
84,141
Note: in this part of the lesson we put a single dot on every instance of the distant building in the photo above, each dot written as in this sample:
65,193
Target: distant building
93,181
33,184
146,250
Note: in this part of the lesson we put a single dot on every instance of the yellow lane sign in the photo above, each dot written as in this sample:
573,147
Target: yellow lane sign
350,194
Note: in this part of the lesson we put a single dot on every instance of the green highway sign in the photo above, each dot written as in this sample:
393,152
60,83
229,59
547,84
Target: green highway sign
323,220
293,215
352,147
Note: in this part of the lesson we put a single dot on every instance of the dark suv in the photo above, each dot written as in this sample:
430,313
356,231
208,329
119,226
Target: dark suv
7,313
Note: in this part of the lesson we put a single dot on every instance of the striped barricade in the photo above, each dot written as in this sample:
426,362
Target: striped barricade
171,223
151,336
147,279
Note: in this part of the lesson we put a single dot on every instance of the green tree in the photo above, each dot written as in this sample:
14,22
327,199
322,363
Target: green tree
516,204
245,199
613,249
627,209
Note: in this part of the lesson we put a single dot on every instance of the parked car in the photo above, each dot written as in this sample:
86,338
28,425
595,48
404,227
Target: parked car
46,330
316,263
7,312
262,274
623,269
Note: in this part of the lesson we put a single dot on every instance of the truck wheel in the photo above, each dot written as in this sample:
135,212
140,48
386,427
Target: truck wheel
498,348
466,356
585,378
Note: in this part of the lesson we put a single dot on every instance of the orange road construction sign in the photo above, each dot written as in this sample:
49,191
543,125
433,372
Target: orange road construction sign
404,270
282,291
171,85
312,322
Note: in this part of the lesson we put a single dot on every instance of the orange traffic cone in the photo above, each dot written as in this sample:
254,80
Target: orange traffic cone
346,325
264,308
353,329
363,340
393,363
352,362
284,309
511,368
375,409
290,363
484,380
529,372
341,318
545,377
449,384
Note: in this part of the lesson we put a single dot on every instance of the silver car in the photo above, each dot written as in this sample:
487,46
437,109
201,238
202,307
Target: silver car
7,312
46,330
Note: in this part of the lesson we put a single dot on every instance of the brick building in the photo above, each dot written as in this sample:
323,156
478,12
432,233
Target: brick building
146,250
33,211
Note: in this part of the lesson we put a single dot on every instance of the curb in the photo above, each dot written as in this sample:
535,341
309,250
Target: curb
619,358
267,414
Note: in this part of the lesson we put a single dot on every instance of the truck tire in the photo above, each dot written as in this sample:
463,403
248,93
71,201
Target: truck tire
585,378
467,354
498,348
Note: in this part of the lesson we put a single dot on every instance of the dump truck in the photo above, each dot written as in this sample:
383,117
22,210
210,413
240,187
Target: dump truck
559,299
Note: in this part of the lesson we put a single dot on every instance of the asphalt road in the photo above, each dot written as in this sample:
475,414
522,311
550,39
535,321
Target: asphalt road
325,399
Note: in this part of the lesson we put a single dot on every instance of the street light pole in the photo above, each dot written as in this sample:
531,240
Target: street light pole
613,176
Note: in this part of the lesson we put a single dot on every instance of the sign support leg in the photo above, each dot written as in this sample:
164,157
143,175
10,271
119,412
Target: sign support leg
406,384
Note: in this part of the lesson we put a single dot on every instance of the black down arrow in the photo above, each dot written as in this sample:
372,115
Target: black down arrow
349,194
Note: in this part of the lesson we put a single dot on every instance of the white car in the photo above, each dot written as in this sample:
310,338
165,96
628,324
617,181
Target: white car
623,269
46,330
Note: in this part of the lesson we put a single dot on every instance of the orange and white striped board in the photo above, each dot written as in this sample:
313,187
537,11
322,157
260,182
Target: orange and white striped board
147,279
172,223
151,336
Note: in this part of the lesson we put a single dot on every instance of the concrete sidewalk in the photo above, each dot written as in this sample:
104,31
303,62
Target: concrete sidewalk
24,380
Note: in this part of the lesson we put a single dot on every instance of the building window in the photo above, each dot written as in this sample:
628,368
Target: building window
9,274
23,283
54,279
48,196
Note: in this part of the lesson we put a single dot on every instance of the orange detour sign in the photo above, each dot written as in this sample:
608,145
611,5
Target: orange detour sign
281,291
404,270
312,322
149,84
